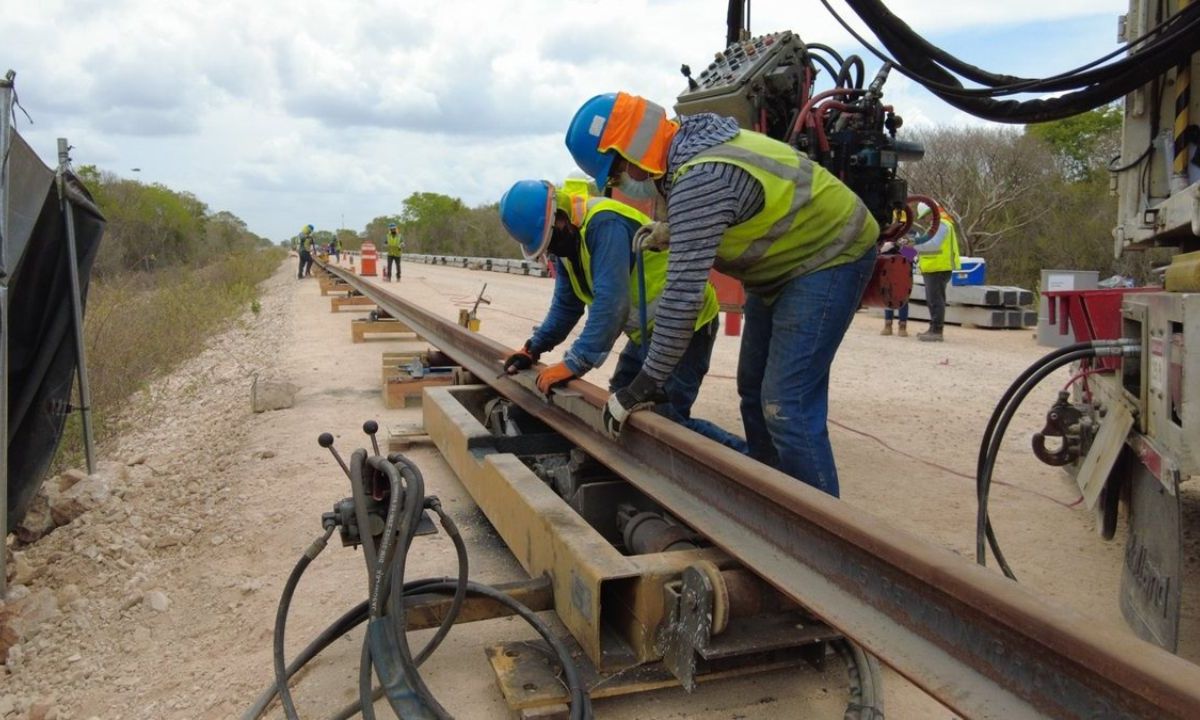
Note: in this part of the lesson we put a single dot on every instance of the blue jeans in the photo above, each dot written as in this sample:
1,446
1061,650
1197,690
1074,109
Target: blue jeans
683,386
888,313
783,370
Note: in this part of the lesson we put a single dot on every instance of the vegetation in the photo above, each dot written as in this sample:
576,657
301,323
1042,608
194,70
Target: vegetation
440,224
168,275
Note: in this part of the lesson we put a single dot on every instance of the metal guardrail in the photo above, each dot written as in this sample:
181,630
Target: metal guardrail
982,645
504,265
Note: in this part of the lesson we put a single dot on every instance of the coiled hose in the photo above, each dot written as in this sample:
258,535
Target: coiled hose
386,645
1006,408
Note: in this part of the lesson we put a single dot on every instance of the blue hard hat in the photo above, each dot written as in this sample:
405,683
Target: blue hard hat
527,213
583,137
391,226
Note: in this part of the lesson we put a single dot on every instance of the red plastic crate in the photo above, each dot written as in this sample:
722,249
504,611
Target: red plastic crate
1090,314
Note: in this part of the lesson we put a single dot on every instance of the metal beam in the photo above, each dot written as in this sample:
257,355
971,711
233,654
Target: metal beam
982,645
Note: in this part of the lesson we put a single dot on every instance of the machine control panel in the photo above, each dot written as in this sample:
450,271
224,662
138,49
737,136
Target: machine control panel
735,82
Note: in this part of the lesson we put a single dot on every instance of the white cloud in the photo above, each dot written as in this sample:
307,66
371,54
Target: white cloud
305,111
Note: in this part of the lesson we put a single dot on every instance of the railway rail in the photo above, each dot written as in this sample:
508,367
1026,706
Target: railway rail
980,644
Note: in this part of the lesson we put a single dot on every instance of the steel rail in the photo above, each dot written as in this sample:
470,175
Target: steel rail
980,644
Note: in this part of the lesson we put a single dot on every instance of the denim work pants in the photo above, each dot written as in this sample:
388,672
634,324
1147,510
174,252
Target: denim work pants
888,313
935,298
783,370
683,386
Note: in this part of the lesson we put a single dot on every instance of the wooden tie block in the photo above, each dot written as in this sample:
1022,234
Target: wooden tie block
401,388
330,284
403,437
354,302
360,328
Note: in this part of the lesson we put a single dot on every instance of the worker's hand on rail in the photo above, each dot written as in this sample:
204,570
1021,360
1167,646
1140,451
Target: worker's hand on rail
638,395
556,374
522,359
653,236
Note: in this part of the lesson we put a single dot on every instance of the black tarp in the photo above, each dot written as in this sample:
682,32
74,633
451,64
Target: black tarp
41,338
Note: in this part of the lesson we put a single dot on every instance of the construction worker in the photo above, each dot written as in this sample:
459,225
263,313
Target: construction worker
801,242
591,242
904,249
335,249
937,257
306,251
395,246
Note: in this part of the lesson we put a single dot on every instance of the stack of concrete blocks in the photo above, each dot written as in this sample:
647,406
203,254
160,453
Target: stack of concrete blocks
985,306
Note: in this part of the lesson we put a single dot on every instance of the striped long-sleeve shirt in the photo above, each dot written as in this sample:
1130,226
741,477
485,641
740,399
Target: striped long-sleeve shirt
708,199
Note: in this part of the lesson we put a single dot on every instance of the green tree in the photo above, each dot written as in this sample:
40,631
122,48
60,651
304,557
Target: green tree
1082,144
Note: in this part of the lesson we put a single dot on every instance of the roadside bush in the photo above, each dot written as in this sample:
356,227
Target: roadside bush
140,326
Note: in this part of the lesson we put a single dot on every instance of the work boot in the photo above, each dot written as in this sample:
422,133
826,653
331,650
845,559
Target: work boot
887,329
903,332
929,336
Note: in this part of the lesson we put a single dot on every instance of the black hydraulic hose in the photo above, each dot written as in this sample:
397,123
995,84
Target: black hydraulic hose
894,31
986,442
1010,403
410,678
281,613
579,702
837,57
460,594
396,495
358,461
399,468
366,698
347,622
1118,78
853,63
833,74
983,482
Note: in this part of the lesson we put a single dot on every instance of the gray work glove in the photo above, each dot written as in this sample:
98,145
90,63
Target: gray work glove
653,236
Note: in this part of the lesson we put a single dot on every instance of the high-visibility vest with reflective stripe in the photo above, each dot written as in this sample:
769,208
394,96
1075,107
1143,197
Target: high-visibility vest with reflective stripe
654,262
947,259
809,221
393,244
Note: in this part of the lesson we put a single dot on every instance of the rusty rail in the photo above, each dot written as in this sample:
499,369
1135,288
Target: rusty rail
982,645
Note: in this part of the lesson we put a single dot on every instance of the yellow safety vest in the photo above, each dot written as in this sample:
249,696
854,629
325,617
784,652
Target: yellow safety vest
810,220
945,260
393,244
654,262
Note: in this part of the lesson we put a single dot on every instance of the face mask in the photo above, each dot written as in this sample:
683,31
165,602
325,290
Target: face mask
564,242
637,189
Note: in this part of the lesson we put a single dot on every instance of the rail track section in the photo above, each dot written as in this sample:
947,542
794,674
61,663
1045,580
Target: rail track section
982,645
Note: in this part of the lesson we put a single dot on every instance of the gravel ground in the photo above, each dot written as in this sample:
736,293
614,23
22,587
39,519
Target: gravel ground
158,601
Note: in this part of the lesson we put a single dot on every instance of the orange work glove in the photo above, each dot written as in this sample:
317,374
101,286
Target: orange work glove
553,375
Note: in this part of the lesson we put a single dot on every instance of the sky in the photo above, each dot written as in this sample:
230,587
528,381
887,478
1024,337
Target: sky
331,113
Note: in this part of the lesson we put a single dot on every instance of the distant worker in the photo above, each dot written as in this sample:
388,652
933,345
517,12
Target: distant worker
307,246
591,243
395,246
937,258
335,249
801,242
897,248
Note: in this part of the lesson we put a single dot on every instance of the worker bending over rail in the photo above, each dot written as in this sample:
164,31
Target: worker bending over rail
591,242
801,242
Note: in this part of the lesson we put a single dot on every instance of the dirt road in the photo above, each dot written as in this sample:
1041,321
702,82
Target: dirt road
159,604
